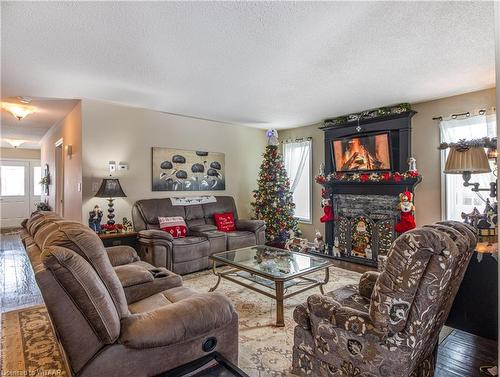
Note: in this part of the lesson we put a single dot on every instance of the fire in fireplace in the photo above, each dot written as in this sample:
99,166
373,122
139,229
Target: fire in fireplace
362,153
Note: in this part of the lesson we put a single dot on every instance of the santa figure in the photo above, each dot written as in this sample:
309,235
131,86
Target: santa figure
407,220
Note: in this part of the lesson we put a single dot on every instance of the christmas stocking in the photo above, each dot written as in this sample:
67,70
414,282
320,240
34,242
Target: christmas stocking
406,223
328,214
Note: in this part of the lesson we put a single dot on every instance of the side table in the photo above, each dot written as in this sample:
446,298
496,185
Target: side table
117,239
475,309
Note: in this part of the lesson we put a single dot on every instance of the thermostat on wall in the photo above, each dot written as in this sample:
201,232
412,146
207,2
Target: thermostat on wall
122,166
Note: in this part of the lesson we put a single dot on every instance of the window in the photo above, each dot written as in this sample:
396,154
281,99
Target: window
298,164
458,198
11,180
37,177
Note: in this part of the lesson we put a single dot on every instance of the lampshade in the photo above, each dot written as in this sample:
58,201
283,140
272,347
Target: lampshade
473,160
110,188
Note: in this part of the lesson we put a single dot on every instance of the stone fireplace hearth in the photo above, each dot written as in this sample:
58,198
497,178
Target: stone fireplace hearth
364,226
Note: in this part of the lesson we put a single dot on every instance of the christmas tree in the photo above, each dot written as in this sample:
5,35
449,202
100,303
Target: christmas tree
273,198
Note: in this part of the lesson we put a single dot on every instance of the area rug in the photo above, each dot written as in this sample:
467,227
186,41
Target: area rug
28,343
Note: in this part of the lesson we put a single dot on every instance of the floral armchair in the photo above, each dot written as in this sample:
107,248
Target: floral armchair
389,324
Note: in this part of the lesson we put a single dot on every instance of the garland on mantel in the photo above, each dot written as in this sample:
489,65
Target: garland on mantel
366,177
368,114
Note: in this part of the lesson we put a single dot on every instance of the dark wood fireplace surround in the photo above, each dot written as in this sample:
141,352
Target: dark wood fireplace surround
374,201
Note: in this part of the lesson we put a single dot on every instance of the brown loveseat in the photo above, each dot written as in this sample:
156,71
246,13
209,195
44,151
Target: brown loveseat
388,325
101,333
184,255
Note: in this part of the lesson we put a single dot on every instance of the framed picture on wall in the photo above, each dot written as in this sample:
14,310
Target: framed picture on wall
183,170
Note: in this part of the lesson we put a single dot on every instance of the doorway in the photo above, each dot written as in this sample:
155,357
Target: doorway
59,179
20,190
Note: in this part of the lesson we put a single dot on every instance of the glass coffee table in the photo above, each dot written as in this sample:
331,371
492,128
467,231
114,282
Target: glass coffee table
282,271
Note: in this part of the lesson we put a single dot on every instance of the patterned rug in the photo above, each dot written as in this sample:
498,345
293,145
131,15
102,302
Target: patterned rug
28,342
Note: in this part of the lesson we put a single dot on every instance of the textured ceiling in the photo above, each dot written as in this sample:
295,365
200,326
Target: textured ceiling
31,129
254,63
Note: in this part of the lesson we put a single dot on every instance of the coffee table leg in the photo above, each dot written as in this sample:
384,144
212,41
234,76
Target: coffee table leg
214,270
327,278
280,316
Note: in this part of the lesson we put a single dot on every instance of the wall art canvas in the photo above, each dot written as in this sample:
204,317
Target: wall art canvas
182,170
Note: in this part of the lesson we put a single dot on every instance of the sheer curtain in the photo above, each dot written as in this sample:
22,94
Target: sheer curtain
458,198
297,158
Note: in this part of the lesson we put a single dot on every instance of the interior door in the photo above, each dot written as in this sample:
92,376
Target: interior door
14,192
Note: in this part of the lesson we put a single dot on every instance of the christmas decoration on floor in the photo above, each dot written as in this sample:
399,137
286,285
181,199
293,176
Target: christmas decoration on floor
407,220
273,198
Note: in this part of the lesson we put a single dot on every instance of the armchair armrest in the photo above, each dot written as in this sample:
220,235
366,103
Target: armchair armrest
122,254
367,283
250,225
155,234
344,317
301,316
177,322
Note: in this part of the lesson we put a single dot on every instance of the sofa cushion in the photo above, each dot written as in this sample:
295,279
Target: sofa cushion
190,248
194,212
87,291
160,299
239,239
224,222
151,209
176,226
82,240
223,204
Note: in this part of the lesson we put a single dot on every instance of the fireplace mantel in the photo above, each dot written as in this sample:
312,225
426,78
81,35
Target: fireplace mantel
374,188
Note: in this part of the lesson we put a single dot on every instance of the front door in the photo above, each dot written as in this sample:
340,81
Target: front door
19,190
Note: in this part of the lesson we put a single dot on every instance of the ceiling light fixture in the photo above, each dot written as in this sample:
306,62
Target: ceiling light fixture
19,111
15,142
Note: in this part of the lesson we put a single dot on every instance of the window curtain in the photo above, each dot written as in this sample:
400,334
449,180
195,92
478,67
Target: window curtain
458,198
296,154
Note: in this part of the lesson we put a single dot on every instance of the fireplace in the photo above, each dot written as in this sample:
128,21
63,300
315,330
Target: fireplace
360,156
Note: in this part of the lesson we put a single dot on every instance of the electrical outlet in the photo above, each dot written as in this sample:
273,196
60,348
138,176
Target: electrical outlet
112,166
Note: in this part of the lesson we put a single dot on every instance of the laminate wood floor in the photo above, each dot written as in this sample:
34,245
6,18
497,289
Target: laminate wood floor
460,354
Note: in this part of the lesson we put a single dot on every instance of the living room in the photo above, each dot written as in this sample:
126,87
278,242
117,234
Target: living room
248,189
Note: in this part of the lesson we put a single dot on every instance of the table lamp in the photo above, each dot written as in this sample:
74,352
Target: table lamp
110,189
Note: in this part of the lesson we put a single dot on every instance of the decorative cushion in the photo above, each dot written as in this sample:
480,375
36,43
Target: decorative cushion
225,222
176,226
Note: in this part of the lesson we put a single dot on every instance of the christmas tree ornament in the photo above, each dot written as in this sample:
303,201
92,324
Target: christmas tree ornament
273,199
407,219
272,137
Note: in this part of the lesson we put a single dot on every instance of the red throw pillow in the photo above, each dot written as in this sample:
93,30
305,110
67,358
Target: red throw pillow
225,222
176,226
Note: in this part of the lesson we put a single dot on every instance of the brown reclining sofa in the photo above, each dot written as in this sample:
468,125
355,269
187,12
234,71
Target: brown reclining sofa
115,315
189,254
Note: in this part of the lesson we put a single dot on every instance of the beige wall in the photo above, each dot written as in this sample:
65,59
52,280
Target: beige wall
20,153
119,133
425,140
70,130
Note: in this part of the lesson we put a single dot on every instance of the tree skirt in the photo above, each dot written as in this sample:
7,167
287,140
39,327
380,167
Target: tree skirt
28,342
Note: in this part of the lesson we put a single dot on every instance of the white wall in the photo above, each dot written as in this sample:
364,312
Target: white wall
70,130
120,133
